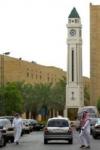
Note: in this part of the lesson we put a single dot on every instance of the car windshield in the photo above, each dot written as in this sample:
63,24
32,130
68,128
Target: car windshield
98,121
33,121
58,123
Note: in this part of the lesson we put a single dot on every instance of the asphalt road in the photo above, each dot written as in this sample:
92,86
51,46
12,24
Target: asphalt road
34,141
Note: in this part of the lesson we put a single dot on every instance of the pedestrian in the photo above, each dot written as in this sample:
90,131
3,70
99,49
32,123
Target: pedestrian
17,124
85,131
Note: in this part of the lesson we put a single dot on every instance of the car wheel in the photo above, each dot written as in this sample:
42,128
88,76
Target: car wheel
91,132
12,140
28,132
70,141
94,136
3,141
45,141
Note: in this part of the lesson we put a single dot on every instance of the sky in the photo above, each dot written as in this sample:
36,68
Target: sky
35,30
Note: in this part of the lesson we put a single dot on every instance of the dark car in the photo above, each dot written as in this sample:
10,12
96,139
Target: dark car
92,123
96,129
8,130
38,126
35,125
3,140
58,128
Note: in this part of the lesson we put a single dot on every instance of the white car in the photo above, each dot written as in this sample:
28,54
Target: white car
26,127
58,128
7,129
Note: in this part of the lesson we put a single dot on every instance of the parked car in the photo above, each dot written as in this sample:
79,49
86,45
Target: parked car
3,140
36,126
26,127
92,123
8,117
96,129
93,113
30,125
58,128
91,109
7,129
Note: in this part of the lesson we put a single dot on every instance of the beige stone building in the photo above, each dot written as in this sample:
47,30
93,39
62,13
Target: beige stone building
95,52
13,69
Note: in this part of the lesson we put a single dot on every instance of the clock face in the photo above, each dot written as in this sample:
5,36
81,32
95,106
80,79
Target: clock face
72,32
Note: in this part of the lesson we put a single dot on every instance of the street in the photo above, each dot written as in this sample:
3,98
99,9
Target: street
34,141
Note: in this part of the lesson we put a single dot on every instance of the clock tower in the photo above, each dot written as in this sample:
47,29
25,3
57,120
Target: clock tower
74,85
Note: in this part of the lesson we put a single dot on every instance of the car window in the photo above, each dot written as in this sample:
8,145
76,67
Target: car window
98,121
58,123
2,123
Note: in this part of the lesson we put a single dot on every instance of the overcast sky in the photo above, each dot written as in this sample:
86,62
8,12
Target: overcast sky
35,30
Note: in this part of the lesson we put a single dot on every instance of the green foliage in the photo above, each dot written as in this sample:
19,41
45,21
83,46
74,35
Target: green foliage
2,110
59,94
42,95
27,92
13,99
98,104
21,97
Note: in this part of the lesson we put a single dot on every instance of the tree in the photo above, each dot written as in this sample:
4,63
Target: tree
98,104
42,93
27,93
59,95
13,99
2,99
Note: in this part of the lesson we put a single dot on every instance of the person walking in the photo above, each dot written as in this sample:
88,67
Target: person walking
85,131
17,124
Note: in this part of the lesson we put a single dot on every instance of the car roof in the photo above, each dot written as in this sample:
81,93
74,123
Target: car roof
59,117
87,108
4,119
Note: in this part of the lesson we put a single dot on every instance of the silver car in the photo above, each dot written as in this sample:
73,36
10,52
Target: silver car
95,130
58,128
7,129
3,140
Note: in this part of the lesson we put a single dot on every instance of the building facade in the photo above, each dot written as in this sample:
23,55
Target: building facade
94,53
74,87
13,69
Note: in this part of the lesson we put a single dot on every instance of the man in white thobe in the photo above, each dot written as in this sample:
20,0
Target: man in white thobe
85,131
17,124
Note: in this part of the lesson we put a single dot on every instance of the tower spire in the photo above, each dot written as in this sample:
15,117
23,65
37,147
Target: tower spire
74,14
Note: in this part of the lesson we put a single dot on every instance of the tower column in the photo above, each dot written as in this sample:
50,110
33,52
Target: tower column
74,85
